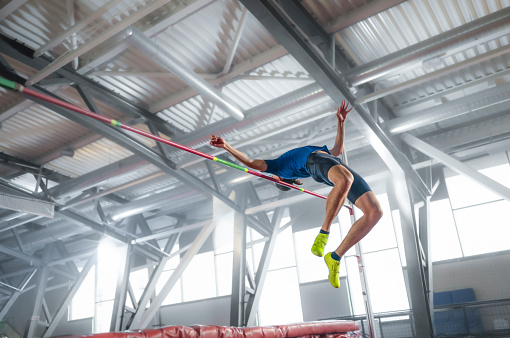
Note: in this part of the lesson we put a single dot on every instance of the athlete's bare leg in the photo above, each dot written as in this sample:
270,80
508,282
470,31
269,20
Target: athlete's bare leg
372,213
342,178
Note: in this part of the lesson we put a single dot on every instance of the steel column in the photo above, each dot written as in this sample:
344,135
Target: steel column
42,281
424,235
64,306
400,199
239,261
119,302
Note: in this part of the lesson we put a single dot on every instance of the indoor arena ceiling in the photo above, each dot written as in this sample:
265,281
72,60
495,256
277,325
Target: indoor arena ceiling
267,77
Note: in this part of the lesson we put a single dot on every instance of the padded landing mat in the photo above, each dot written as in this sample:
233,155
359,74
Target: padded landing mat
320,329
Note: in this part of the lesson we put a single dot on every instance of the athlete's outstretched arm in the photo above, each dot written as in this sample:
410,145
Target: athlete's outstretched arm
341,115
219,142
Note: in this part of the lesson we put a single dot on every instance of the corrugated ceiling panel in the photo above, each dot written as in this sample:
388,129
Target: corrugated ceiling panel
201,39
409,23
263,84
34,23
89,158
204,54
443,85
137,86
7,100
36,131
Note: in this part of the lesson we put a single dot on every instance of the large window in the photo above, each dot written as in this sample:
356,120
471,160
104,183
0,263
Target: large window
382,264
198,280
280,302
473,220
82,305
484,228
110,253
444,238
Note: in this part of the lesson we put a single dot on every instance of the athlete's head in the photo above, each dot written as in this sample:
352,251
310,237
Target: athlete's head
286,180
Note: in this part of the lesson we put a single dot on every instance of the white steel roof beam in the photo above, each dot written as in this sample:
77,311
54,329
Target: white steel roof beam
10,7
66,58
167,60
250,64
76,27
235,43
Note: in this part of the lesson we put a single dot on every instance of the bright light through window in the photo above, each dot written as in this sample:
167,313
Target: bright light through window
397,225
443,234
280,302
198,279
386,281
355,289
484,228
103,316
283,253
224,273
82,305
174,296
139,280
111,256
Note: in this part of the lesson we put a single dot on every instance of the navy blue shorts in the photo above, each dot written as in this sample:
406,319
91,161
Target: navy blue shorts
318,164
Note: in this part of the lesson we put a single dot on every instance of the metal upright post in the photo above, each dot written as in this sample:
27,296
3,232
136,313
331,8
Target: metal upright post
362,275
364,286
237,300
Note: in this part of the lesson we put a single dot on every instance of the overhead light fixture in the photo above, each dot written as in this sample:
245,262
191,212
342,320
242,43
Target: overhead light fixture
67,152
433,63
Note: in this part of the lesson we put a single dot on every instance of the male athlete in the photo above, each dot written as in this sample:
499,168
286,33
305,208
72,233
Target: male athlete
323,166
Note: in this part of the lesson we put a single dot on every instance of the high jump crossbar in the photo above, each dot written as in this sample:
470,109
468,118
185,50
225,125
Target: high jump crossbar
10,85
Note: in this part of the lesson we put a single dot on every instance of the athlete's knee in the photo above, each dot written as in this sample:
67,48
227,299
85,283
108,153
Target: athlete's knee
375,212
339,175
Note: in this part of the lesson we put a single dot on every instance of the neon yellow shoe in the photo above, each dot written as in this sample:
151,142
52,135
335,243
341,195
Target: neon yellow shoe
319,244
334,268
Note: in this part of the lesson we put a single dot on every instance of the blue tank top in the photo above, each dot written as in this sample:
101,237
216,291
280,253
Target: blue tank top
292,164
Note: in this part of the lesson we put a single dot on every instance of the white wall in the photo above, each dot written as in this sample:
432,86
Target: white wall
488,276
213,311
319,300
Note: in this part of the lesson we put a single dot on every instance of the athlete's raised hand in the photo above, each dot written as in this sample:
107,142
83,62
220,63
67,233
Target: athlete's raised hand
217,142
341,112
